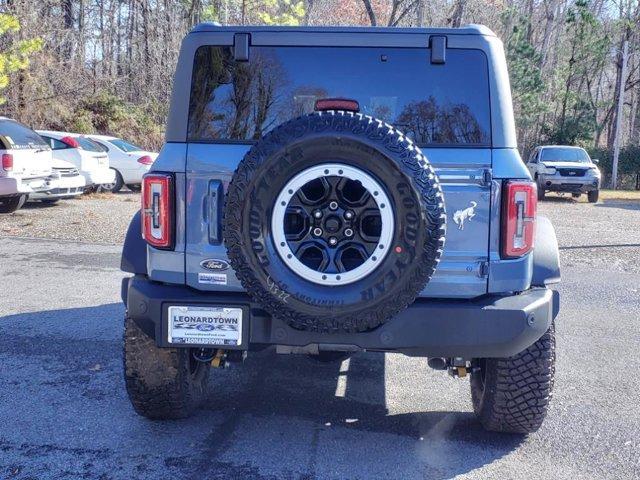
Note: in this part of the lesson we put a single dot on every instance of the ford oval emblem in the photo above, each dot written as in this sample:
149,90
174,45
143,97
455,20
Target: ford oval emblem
214,264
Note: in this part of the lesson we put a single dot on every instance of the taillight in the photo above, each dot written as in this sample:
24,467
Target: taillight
7,162
519,202
70,142
146,160
158,210
324,104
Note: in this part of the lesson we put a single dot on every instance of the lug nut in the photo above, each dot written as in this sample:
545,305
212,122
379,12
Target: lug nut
348,232
333,241
317,214
348,214
317,231
333,205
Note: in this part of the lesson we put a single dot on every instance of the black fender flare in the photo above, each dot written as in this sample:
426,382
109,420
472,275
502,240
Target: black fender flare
134,250
546,254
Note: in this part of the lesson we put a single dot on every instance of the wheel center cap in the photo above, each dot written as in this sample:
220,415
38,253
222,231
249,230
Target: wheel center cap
332,224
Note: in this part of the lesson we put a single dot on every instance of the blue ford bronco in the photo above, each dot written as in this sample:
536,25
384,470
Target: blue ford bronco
326,191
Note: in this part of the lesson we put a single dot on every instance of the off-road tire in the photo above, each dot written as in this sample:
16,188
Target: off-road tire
162,383
11,204
593,196
365,143
513,394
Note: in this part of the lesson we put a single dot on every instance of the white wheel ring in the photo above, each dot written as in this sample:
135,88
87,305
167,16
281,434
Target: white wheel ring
334,170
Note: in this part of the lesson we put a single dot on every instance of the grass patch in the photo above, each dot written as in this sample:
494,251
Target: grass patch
96,196
620,195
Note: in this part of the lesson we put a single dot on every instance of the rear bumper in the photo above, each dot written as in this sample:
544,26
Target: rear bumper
134,175
99,176
16,185
61,188
491,326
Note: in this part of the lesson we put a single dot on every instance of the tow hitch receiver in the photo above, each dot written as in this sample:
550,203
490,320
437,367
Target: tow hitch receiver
219,360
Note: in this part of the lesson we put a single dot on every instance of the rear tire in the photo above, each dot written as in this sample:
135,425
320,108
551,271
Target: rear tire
117,184
162,383
11,204
593,195
541,193
513,394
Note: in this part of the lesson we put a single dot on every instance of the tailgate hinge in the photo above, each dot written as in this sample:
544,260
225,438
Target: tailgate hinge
487,177
241,42
483,269
438,45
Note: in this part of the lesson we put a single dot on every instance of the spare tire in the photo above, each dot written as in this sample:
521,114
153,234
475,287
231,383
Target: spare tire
334,222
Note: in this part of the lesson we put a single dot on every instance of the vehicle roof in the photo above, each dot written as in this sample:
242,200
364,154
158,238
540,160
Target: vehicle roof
471,29
102,137
14,121
561,146
54,133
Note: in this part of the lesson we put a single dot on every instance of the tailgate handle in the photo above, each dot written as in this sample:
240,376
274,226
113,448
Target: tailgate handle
214,206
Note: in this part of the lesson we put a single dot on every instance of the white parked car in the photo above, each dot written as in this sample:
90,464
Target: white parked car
65,182
87,156
25,164
129,161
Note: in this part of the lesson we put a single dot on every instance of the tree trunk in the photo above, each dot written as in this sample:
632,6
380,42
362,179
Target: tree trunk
370,12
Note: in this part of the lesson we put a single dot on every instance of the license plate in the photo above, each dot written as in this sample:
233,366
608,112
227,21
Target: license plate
37,184
205,325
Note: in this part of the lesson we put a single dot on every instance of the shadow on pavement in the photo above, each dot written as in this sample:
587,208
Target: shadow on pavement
37,205
442,444
621,204
64,368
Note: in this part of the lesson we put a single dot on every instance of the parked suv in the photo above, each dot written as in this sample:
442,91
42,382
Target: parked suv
26,164
301,201
561,168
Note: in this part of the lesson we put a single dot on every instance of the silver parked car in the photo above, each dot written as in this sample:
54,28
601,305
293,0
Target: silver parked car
560,168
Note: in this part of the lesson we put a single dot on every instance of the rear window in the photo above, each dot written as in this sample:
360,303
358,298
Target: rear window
433,104
90,145
54,143
16,136
124,145
559,154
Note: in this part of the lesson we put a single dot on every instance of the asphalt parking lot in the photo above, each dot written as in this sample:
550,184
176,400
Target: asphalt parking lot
65,413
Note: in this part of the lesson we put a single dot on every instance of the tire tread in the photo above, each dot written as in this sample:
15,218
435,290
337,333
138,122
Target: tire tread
158,381
384,137
518,389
